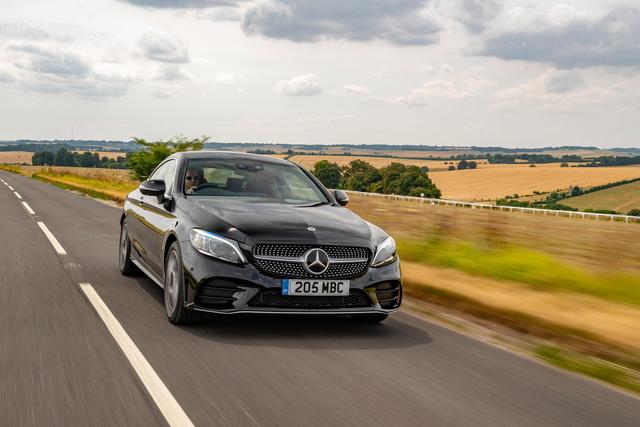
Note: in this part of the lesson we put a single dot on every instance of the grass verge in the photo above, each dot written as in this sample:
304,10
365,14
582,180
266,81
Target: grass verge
590,366
99,189
569,348
522,265
11,169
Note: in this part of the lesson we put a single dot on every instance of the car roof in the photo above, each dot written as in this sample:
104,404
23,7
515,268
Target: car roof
231,155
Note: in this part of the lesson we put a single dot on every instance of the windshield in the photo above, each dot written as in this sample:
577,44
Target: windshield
251,180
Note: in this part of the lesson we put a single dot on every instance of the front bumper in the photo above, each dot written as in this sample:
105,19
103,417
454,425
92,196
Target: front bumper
219,287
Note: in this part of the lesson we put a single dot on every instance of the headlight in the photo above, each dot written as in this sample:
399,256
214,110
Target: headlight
216,246
385,253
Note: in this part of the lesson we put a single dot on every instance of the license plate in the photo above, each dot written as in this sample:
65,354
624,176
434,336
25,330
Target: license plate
314,287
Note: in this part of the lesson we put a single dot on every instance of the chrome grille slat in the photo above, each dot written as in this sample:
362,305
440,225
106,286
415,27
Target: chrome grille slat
286,260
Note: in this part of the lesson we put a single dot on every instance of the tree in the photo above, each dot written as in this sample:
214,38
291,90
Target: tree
634,212
576,191
452,168
60,157
359,175
328,173
564,165
143,162
472,164
462,165
86,160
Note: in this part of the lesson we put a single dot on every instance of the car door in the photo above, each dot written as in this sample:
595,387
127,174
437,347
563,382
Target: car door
156,220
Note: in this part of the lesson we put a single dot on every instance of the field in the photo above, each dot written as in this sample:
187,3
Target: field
493,183
308,161
524,270
621,199
15,157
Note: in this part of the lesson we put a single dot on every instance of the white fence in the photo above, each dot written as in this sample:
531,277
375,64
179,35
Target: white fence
549,212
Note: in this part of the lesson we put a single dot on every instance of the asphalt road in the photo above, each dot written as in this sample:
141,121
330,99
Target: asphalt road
60,365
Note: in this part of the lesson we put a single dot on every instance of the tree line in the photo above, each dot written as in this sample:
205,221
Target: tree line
359,175
64,157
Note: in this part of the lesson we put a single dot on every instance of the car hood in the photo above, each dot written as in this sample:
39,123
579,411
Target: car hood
271,222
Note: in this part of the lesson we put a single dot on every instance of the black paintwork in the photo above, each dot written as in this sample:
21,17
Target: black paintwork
155,221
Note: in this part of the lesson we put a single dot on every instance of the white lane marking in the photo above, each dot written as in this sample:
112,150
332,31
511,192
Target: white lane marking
17,195
56,245
170,408
10,187
28,208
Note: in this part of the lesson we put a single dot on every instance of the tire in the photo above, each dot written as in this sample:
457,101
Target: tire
174,289
127,267
369,318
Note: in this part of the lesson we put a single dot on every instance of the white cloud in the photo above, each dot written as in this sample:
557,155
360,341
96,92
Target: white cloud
225,78
356,89
438,89
303,85
171,73
556,89
160,46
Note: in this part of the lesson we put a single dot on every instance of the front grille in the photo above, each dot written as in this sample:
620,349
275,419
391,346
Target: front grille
273,298
217,294
290,264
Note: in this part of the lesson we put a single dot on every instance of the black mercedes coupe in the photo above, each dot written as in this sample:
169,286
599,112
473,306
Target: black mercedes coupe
230,233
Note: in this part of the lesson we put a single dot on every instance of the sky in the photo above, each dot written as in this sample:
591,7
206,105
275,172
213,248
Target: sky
510,73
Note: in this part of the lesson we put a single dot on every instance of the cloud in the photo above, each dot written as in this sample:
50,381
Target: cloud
225,78
303,85
401,22
50,69
477,14
556,89
49,60
438,89
5,77
355,89
568,37
182,4
171,73
159,46
23,31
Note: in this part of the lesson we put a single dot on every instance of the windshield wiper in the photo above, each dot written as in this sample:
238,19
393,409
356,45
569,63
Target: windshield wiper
315,204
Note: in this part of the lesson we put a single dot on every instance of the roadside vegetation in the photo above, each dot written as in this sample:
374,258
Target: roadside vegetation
396,178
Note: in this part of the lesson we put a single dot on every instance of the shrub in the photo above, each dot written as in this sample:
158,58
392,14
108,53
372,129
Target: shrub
153,153
328,173
634,212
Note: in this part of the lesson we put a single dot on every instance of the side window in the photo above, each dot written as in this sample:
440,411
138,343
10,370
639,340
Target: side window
166,173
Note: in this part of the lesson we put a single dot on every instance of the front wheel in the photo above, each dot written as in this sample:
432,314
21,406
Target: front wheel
174,289
369,318
127,267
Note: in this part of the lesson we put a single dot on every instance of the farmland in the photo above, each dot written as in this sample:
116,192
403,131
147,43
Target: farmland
545,267
621,199
113,155
15,157
493,183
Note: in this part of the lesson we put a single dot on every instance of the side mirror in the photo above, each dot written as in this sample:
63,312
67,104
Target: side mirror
153,187
341,197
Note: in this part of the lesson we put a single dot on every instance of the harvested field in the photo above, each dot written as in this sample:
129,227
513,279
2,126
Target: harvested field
495,182
15,157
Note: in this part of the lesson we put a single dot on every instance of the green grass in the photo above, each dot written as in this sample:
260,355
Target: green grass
621,199
590,366
11,169
533,268
98,188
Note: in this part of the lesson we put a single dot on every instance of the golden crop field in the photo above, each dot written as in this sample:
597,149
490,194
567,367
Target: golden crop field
308,161
15,157
495,182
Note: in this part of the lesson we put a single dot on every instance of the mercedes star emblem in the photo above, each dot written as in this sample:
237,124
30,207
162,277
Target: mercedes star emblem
316,261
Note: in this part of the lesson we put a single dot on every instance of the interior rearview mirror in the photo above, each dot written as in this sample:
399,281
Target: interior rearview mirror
341,197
